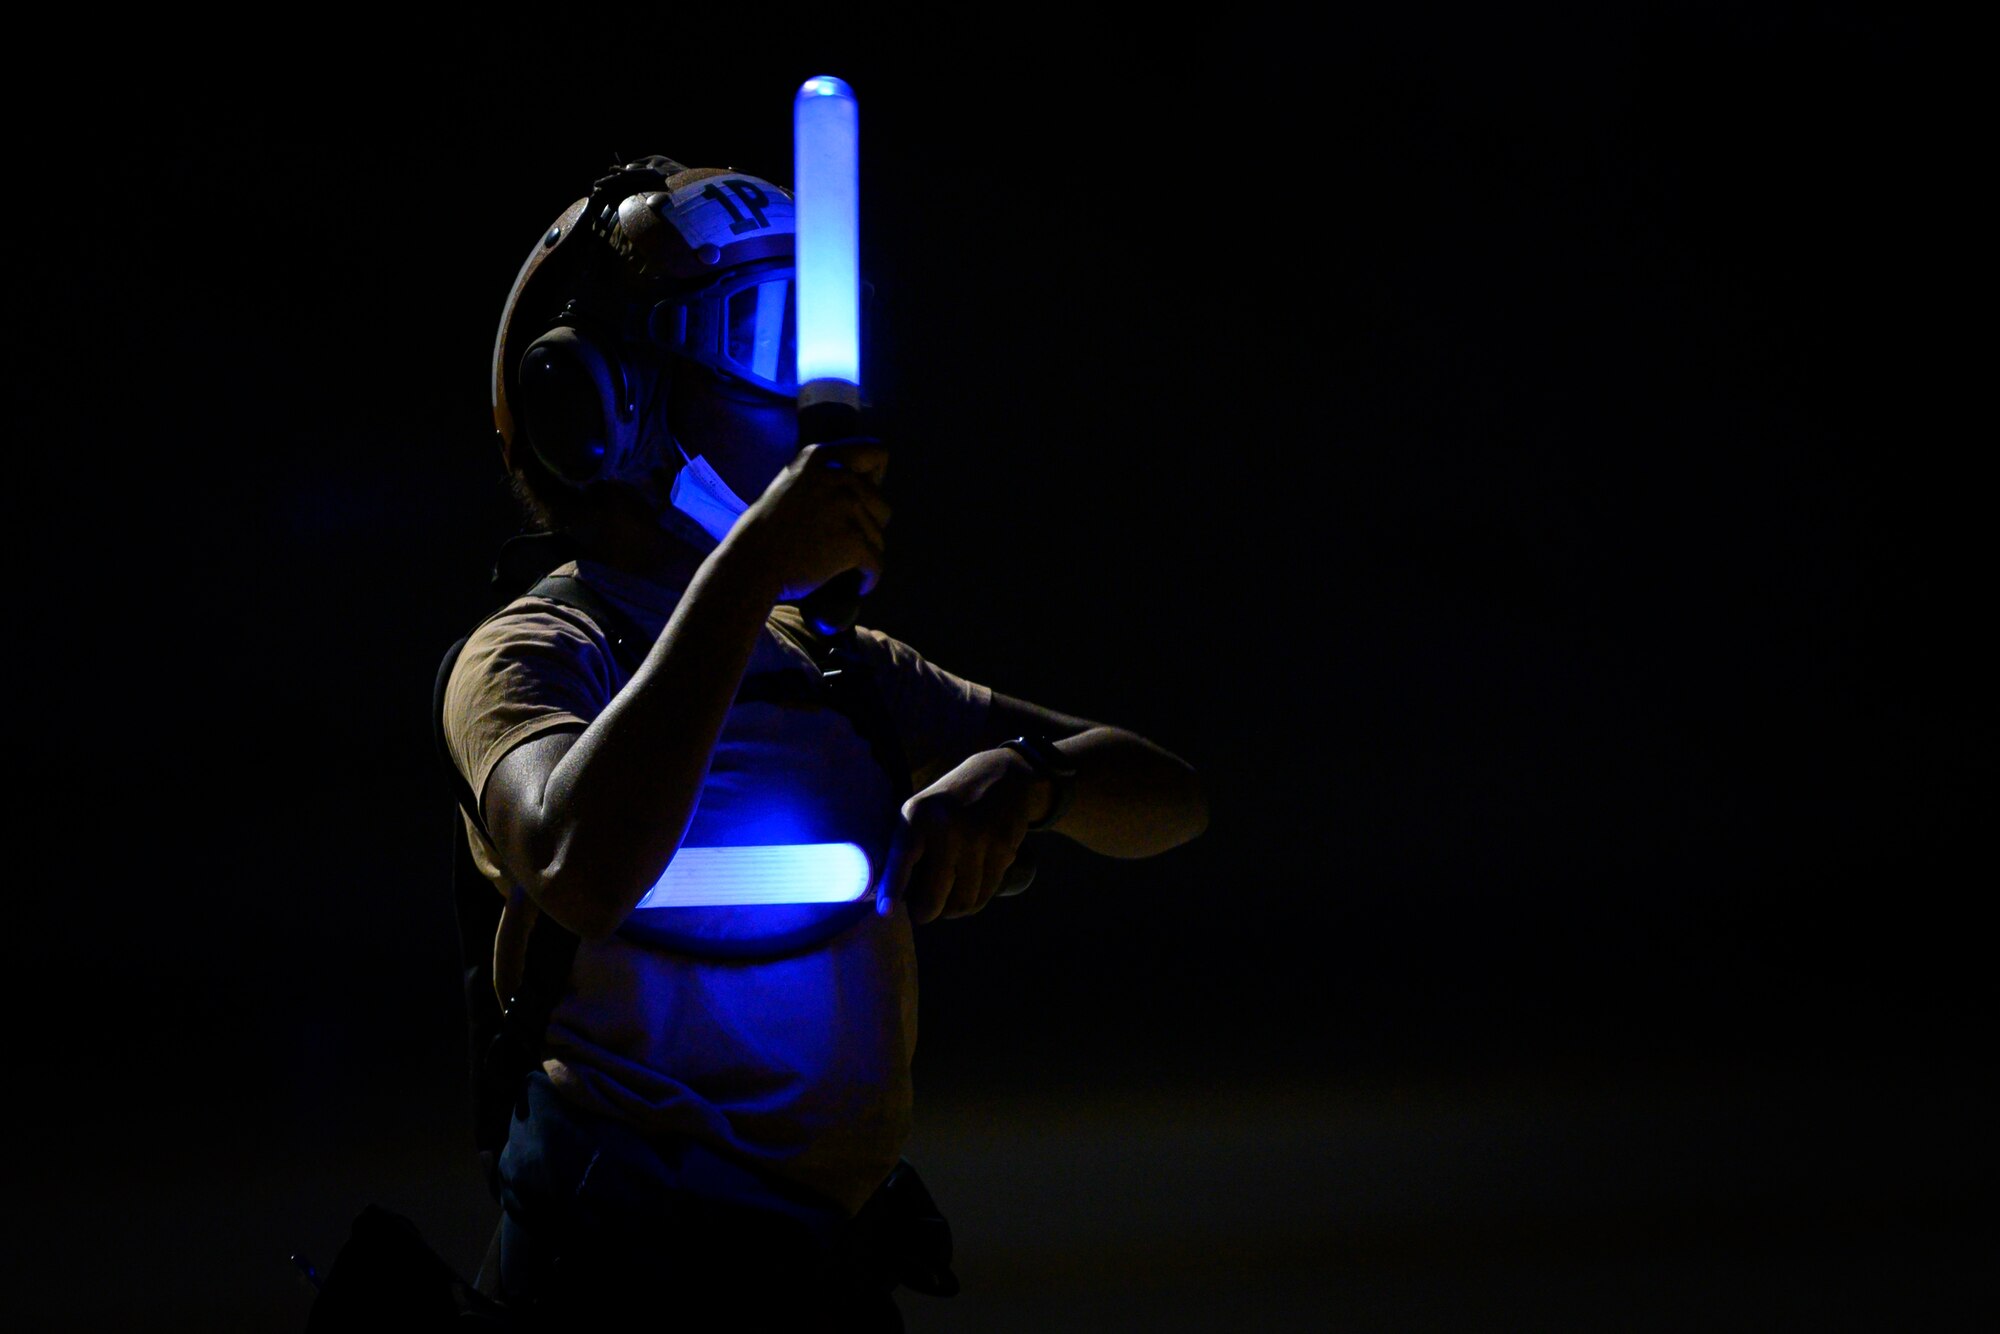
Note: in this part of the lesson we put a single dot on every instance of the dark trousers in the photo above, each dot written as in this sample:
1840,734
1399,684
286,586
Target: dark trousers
601,1222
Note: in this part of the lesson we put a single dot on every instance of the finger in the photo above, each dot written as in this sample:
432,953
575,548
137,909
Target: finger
871,528
1019,876
931,882
860,453
874,543
964,884
998,862
876,504
999,867
874,559
861,493
904,852
969,892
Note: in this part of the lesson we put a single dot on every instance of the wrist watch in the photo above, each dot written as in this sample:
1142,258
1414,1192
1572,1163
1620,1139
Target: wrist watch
1052,764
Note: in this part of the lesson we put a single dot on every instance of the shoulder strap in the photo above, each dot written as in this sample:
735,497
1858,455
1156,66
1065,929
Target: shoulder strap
629,645
851,690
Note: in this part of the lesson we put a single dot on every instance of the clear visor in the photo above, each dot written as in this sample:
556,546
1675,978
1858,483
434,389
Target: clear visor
746,327
760,334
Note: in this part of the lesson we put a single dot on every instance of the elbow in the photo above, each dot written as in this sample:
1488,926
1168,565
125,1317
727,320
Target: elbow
591,884
583,880
578,915
574,896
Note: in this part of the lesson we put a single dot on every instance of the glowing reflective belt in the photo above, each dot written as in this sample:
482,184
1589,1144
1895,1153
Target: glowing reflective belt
784,873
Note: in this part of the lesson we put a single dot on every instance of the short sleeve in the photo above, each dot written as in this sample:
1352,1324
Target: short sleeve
940,718
534,668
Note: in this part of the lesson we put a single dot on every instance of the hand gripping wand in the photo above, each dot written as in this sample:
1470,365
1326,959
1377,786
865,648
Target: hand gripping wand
826,177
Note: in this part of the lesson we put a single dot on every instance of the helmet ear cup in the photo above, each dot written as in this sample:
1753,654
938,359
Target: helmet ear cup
577,406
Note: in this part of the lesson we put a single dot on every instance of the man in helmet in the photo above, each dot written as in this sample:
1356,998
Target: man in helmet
725,1088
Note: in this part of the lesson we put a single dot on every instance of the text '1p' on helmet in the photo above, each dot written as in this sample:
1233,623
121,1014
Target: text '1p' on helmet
658,261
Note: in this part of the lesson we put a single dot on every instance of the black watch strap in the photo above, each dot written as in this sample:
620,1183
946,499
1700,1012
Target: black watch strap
1052,764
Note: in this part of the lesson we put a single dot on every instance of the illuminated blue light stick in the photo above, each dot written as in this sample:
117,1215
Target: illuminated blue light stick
826,147
827,183
828,277
781,873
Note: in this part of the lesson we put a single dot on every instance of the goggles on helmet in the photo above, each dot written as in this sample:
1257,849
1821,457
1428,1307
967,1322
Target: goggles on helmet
743,325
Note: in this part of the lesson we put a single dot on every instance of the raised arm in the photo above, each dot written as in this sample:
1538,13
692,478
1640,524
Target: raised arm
587,821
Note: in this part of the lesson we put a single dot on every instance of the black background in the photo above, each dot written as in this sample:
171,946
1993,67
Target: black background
1507,454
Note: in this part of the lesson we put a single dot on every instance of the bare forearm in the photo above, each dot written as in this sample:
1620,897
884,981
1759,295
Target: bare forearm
617,804
1133,799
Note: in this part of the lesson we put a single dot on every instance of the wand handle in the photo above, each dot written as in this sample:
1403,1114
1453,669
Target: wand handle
830,609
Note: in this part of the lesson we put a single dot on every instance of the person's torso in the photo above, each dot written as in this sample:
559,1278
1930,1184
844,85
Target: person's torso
798,1064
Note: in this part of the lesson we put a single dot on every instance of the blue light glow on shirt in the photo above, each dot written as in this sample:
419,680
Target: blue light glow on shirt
825,127
774,873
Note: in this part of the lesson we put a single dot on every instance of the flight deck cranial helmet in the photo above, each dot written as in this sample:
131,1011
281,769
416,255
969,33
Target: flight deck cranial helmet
658,261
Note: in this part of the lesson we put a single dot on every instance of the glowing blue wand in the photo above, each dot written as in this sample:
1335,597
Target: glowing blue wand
825,149
826,179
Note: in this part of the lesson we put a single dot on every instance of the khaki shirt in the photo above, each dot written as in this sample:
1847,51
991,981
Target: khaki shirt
800,1066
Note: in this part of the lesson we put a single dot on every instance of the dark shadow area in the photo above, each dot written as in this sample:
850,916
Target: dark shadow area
1514,457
